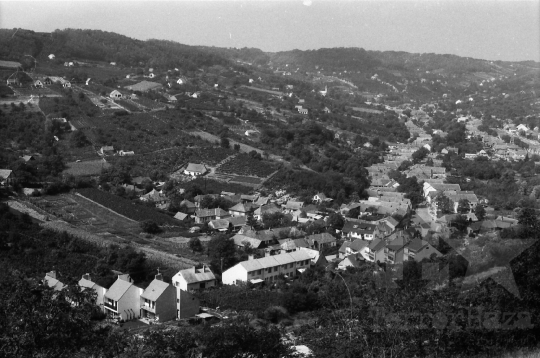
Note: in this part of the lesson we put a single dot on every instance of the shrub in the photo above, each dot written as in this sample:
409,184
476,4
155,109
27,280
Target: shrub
150,227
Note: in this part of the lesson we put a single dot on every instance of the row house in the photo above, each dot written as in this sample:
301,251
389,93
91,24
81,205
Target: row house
123,300
86,283
267,269
356,230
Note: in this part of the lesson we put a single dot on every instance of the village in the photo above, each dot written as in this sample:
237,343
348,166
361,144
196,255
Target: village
257,176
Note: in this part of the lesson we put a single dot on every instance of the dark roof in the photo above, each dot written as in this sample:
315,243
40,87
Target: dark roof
211,212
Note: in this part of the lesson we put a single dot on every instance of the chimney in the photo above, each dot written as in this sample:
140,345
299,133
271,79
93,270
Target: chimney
266,253
159,276
250,257
86,277
194,269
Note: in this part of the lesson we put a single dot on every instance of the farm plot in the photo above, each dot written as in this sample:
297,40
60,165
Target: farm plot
125,207
87,168
244,165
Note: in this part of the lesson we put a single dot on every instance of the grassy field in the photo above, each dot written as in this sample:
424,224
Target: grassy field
87,168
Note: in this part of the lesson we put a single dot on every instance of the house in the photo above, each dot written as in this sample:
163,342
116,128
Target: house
124,153
38,84
419,249
206,215
321,198
242,209
7,177
354,261
219,225
195,169
292,206
267,269
51,281
357,246
190,207
359,230
375,251
155,197
181,216
193,279
85,283
268,209
158,301
51,56
28,158
106,150
302,110
115,94
320,241
123,300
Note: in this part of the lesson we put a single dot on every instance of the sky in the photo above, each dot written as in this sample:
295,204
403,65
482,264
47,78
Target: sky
487,29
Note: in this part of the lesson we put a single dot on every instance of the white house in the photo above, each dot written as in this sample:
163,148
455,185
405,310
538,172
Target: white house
180,81
123,300
86,283
115,94
320,198
51,57
195,169
194,279
38,84
113,63
267,268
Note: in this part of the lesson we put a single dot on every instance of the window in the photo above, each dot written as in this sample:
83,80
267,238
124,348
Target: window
202,285
259,272
177,300
291,265
275,269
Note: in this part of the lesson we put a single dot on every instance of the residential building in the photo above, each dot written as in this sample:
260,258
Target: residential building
357,246
321,198
7,177
206,215
123,300
158,301
320,241
353,261
418,250
106,150
51,281
375,251
86,283
242,209
195,169
115,94
267,268
193,279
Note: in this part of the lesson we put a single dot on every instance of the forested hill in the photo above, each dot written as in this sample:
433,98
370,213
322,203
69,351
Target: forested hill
358,59
95,45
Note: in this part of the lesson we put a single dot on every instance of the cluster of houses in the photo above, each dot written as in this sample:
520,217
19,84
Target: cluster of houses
41,81
159,302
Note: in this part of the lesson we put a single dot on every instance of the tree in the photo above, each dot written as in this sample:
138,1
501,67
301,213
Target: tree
480,212
225,143
195,244
150,227
444,205
419,155
222,253
336,221
78,139
464,206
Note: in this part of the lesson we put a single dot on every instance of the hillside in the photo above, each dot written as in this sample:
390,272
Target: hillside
95,45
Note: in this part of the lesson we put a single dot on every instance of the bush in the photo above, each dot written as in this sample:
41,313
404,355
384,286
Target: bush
150,227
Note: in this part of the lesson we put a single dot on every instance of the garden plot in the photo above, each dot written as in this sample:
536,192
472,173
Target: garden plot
87,168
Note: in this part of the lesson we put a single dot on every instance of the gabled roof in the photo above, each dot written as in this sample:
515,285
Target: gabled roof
5,173
180,216
196,168
294,205
211,212
154,290
322,238
118,289
416,244
240,239
243,208
219,224
376,245
237,221
86,283
193,275
351,261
